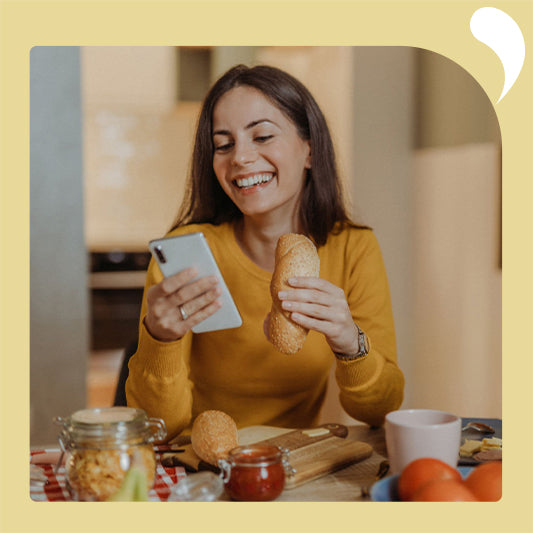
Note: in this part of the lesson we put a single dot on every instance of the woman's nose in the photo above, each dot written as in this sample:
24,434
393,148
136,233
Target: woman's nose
244,153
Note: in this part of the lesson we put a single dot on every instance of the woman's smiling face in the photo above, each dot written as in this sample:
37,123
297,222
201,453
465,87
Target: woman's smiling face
259,159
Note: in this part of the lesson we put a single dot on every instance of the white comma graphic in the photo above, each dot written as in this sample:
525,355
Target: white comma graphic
502,34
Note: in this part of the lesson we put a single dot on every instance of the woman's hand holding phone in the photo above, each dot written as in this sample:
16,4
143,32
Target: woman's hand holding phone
176,304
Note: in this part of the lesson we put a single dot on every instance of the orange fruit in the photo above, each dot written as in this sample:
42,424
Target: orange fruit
485,481
444,490
421,471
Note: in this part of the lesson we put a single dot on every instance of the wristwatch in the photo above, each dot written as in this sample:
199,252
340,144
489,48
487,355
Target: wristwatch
362,344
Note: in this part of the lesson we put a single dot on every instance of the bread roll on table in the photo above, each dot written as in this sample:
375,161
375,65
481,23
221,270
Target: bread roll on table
296,256
213,435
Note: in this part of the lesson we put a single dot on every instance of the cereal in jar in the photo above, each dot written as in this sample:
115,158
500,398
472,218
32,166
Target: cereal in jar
101,444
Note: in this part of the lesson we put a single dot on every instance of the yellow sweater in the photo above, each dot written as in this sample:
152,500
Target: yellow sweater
239,372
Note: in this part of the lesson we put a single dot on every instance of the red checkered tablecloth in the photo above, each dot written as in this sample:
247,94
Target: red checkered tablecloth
54,489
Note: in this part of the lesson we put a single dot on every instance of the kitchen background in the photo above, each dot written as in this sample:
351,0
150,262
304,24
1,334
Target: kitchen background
111,133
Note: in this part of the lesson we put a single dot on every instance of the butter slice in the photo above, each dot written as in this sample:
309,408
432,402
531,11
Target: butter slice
315,432
469,447
494,442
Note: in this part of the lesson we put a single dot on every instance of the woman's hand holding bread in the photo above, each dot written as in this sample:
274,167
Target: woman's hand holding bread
301,301
295,255
319,305
177,303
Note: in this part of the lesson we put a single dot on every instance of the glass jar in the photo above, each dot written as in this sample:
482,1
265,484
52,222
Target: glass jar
101,444
255,472
205,486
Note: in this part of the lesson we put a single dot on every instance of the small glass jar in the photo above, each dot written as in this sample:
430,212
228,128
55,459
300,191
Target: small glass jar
100,445
255,472
205,486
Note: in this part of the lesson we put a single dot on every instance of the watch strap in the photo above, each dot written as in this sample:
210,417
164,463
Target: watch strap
363,347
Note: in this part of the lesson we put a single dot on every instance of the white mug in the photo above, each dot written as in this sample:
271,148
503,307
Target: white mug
414,433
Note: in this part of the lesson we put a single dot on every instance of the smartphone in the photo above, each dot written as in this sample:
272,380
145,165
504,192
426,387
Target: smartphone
174,254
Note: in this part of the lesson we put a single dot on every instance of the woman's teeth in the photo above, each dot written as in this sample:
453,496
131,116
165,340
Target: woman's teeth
253,180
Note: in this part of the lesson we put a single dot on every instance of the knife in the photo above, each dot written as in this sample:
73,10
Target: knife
300,438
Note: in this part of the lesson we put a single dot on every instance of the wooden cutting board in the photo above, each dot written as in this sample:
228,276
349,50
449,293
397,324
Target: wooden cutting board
313,452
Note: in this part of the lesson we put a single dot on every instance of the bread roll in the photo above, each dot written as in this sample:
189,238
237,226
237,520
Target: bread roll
213,435
296,255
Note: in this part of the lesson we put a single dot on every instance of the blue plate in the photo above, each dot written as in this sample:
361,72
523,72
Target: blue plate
386,489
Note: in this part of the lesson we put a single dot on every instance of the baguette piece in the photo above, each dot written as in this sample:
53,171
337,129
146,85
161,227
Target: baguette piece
295,256
213,435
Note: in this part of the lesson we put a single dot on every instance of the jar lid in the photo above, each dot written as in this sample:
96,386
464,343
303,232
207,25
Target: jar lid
107,415
255,455
113,423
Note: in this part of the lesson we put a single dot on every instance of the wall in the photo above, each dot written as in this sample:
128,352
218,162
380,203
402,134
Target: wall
58,265
382,187
452,108
457,357
137,144
142,77
457,360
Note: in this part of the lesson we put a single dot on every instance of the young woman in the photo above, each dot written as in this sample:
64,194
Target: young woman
264,165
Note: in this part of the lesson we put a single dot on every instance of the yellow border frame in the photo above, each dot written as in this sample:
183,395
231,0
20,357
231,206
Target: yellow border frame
441,26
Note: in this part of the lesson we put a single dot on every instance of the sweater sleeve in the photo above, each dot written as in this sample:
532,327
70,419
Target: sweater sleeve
371,386
158,380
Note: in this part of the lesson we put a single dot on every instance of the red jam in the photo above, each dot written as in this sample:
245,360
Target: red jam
254,473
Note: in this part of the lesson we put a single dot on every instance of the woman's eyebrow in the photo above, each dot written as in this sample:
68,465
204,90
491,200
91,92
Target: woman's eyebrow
247,127
260,121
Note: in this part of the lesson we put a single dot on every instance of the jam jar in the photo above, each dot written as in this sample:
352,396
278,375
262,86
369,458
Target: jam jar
100,444
255,472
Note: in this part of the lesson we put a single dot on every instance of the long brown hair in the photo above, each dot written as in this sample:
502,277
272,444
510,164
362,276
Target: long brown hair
322,204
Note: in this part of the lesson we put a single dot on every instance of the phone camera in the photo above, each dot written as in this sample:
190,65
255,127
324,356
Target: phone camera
160,254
